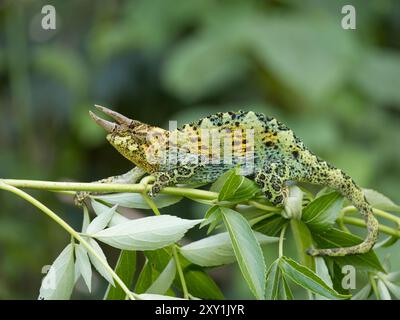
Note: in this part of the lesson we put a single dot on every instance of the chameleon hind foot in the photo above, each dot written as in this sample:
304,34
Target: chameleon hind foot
272,183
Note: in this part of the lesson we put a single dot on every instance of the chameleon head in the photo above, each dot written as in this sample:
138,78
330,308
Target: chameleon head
132,138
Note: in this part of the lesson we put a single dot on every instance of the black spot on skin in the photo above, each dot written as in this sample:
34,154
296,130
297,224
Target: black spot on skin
268,194
295,154
269,143
261,176
163,178
277,200
276,187
183,171
237,123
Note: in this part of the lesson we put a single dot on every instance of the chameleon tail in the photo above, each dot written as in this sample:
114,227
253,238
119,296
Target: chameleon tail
337,179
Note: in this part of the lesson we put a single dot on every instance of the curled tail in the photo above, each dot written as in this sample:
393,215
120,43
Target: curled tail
323,173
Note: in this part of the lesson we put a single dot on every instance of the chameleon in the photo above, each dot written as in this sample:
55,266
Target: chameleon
279,158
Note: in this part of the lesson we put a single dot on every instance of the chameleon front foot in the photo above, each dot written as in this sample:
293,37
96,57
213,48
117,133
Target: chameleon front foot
80,197
161,180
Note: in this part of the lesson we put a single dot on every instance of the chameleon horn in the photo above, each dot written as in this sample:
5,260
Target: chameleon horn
117,116
107,125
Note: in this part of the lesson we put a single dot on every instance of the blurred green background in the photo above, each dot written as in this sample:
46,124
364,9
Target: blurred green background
160,60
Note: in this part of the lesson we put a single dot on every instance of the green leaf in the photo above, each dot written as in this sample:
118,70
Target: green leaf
150,296
272,283
100,209
164,280
288,295
125,269
83,264
217,249
393,276
247,251
363,294
199,283
379,201
337,276
219,183
270,226
393,288
306,278
86,219
96,263
388,242
59,281
383,291
237,188
231,185
321,213
146,277
303,240
212,218
322,271
159,258
101,221
147,233
335,238
135,200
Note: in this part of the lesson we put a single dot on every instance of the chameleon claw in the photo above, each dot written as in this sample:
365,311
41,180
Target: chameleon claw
107,125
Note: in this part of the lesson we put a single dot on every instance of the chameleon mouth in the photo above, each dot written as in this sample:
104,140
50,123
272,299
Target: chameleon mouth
120,119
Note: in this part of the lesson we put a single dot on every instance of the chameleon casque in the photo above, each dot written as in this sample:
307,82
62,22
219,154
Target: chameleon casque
279,157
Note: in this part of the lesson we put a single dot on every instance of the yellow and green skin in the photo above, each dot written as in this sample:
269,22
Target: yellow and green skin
280,158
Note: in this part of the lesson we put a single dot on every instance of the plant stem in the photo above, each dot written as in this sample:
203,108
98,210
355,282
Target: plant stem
151,203
154,207
180,273
361,223
71,231
263,206
281,238
373,285
107,187
378,212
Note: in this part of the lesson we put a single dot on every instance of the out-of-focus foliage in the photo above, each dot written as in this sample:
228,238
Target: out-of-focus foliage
176,59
